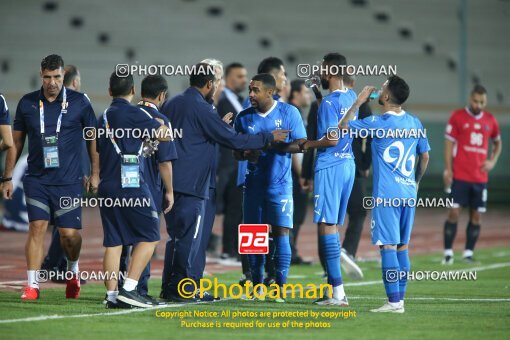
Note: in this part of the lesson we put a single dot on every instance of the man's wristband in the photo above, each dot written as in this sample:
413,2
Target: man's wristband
5,179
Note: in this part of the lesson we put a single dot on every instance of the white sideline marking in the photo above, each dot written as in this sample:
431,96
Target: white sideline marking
8,266
482,268
367,283
12,282
433,299
477,269
129,311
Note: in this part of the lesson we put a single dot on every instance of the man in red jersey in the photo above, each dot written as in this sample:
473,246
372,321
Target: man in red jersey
467,166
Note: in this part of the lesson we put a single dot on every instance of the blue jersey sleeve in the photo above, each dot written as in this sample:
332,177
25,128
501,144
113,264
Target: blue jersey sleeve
4,112
370,122
423,143
326,118
216,129
238,124
166,150
242,166
88,118
19,120
297,127
145,121
100,140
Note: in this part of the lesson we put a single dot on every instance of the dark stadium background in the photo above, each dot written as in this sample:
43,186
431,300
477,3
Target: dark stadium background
437,52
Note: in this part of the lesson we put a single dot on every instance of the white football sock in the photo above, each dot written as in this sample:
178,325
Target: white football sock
130,284
32,279
338,292
448,252
72,266
467,253
111,295
395,304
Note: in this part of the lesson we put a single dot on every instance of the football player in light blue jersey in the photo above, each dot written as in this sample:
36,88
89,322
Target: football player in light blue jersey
334,172
274,66
399,161
268,185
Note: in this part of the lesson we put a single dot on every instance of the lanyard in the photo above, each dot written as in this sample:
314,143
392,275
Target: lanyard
115,145
149,104
62,111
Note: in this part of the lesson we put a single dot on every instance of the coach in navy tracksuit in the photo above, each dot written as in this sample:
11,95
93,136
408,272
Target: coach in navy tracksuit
53,120
122,176
154,92
191,113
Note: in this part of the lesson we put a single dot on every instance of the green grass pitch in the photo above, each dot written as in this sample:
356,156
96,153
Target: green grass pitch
434,309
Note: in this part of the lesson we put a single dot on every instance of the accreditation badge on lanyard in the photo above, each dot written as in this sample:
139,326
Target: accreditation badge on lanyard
50,143
130,163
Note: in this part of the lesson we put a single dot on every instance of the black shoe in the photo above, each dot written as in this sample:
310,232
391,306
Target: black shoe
268,281
154,301
133,298
470,260
447,260
206,297
171,297
245,278
117,305
298,260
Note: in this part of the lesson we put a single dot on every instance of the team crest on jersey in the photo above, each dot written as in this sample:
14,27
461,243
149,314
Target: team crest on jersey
278,123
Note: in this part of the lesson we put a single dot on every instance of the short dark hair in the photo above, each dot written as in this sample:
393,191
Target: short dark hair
349,79
232,66
71,72
399,89
202,75
153,86
266,79
121,86
295,86
336,59
52,62
479,89
269,64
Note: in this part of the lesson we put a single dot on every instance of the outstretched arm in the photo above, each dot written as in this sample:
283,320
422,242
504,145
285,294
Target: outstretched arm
362,97
295,146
